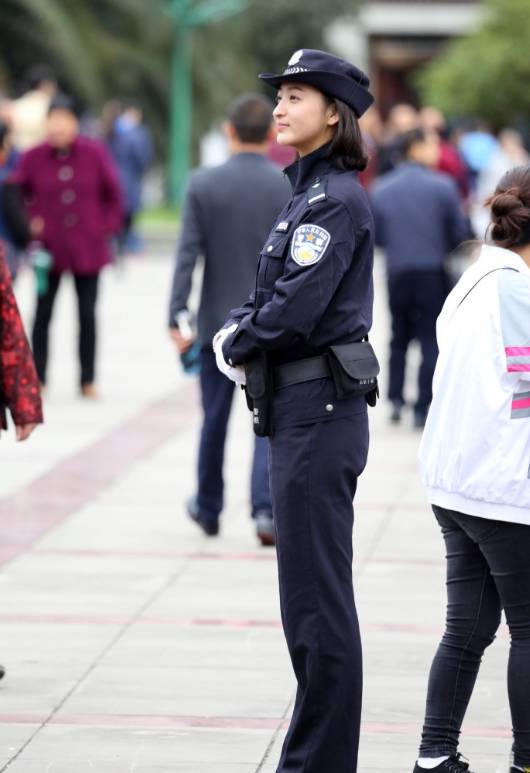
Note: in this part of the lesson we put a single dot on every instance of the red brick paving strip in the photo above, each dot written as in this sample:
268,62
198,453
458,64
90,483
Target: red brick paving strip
233,723
30,512
27,514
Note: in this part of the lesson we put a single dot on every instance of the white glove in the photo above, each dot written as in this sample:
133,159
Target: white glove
222,334
236,374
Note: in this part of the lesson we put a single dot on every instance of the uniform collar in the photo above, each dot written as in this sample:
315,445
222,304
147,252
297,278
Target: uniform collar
304,171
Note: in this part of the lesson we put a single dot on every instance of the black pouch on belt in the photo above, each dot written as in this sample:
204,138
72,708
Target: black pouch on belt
258,392
354,369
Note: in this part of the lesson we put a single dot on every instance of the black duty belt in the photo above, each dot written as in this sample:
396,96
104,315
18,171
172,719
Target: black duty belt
308,369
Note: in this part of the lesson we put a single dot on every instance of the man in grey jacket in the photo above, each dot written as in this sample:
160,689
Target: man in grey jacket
228,213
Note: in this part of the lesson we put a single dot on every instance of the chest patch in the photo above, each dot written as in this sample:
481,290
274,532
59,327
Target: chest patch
309,244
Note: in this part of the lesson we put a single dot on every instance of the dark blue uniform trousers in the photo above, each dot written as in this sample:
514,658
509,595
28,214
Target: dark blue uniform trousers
217,393
314,470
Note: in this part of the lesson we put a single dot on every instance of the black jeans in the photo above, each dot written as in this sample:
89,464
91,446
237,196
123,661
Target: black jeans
488,570
86,286
415,299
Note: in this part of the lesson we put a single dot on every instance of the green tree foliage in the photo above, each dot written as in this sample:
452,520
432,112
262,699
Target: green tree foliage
101,50
486,74
107,49
228,56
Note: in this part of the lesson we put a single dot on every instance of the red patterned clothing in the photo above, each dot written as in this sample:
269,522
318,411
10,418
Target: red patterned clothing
19,385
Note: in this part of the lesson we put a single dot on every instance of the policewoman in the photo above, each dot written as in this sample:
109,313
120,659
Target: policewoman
298,343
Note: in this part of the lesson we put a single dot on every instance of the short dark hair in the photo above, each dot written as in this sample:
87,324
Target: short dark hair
39,74
347,147
408,139
64,102
251,117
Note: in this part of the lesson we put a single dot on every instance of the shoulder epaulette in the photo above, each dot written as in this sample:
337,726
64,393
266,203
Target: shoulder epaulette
317,191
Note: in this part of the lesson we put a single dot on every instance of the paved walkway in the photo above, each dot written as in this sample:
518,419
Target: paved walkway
134,644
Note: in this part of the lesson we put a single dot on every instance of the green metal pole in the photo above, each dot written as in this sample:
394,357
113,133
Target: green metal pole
181,111
185,17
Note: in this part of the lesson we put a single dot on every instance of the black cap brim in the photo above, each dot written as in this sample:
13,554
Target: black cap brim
335,85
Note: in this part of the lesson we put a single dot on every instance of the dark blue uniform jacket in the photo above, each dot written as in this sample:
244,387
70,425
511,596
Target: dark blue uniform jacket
314,282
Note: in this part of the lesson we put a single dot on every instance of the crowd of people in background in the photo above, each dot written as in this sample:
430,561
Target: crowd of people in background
464,160
428,183
70,190
469,151
120,127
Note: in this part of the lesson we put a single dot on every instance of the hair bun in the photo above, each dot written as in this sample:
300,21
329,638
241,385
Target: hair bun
505,203
510,217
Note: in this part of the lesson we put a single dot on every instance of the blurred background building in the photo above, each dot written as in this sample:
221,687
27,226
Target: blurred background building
393,39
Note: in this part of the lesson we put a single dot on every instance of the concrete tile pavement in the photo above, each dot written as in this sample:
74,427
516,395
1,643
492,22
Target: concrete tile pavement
132,642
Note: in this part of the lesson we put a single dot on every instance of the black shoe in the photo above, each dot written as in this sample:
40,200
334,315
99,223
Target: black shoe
2,672
454,764
420,417
210,528
395,416
265,528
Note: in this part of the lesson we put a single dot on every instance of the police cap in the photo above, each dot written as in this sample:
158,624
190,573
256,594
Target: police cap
328,73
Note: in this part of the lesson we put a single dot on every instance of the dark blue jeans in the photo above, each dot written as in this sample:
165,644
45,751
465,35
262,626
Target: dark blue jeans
415,299
488,570
217,393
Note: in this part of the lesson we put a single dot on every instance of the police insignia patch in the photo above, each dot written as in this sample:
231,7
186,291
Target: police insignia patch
309,244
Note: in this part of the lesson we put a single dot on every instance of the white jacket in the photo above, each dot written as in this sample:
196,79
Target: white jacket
475,450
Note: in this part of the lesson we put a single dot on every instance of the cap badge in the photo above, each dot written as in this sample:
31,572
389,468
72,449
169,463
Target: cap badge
295,57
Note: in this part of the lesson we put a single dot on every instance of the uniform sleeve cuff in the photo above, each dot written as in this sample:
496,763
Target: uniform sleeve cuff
227,347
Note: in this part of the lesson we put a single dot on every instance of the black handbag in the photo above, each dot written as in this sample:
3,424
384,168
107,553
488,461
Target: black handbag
354,369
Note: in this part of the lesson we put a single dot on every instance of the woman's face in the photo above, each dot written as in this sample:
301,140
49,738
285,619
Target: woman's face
303,117
62,128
